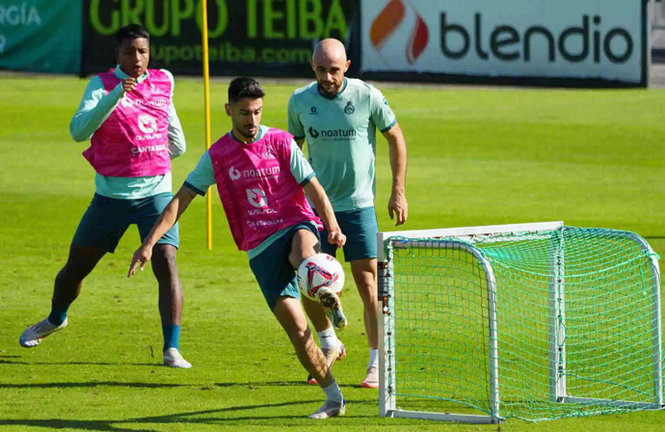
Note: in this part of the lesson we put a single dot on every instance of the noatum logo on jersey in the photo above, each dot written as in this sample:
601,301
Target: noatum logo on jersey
313,132
332,133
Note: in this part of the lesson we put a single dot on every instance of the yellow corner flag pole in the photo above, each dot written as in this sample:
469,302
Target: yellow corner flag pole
206,107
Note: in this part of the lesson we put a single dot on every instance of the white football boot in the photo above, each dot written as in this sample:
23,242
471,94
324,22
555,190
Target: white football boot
173,358
33,335
329,409
333,307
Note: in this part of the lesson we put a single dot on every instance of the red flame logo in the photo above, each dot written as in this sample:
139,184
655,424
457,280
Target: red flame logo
386,22
389,20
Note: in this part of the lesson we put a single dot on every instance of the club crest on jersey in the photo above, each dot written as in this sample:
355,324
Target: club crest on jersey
349,108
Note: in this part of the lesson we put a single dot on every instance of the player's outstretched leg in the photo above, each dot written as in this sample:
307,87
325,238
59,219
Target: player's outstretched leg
67,287
290,315
170,303
330,344
305,244
332,353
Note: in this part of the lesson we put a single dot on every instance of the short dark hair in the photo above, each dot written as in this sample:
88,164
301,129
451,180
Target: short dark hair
245,87
131,31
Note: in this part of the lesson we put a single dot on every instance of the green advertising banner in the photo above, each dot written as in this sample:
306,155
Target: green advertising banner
40,35
257,37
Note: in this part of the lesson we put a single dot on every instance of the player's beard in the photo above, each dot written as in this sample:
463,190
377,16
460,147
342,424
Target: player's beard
329,88
250,132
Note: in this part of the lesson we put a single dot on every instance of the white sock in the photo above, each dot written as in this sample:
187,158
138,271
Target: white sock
328,338
373,358
333,393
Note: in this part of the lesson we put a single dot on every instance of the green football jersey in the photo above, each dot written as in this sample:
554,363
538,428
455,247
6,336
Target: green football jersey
341,138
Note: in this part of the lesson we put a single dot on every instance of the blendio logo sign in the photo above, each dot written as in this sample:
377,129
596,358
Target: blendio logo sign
506,43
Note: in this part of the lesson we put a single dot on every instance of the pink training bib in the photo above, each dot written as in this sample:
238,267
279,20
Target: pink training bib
133,140
257,189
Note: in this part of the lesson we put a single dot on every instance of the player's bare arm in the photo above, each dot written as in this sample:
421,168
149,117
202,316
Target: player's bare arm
315,192
397,204
169,217
300,142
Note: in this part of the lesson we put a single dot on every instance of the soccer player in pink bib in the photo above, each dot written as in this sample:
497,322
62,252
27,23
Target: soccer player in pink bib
134,131
262,177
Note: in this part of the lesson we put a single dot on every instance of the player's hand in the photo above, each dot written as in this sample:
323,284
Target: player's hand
397,206
336,238
129,84
141,256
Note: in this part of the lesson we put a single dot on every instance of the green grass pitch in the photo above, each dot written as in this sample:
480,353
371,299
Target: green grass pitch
477,156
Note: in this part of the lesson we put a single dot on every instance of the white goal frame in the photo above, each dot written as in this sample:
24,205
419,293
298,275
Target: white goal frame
460,238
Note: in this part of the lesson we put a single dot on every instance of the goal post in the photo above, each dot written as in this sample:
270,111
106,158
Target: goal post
534,321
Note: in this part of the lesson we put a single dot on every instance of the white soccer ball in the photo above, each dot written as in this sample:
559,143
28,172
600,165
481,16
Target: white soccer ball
320,270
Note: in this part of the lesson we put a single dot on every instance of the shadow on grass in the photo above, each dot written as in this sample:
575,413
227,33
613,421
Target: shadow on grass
91,384
95,425
261,384
145,385
189,418
281,383
63,385
67,363
3,361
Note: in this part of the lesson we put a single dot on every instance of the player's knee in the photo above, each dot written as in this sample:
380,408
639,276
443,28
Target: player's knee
368,293
165,254
299,336
69,276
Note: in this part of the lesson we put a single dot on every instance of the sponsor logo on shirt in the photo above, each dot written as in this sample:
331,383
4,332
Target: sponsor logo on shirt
150,148
256,197
128,102
147,123
148,126
312,110
234,174
265,223
261,172
345,134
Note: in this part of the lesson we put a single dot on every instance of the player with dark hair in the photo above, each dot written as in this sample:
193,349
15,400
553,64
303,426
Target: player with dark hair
134,131
262,177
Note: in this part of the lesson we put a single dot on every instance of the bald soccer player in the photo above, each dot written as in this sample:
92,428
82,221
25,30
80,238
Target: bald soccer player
338,117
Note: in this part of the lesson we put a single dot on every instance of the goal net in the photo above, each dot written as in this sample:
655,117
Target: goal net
533,321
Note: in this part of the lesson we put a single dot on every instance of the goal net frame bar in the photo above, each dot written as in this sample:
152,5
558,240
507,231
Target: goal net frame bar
459,238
